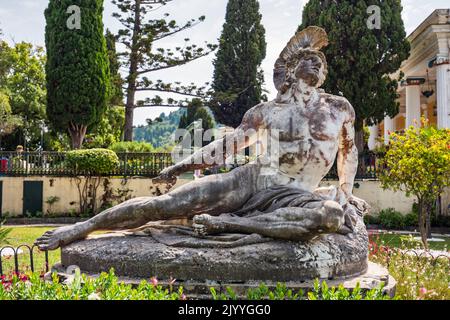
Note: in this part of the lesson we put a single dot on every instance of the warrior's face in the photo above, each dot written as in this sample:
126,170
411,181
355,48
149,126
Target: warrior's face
311,69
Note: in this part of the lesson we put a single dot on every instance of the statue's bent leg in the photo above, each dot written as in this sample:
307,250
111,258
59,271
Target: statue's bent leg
294,223
213,195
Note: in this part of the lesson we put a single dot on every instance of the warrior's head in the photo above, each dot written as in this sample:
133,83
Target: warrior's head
301,61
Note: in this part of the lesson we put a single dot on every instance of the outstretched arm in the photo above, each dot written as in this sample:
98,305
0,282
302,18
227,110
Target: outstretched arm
242,137
347,164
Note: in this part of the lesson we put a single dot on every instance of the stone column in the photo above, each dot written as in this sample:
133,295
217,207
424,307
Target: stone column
373,137
412,105
443,95
388,128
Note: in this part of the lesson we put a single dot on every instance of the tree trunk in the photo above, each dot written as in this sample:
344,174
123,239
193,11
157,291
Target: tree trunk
359,141
422,223
428,220
132,77
77,134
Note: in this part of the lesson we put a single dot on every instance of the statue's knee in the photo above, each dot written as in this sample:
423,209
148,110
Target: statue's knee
333,214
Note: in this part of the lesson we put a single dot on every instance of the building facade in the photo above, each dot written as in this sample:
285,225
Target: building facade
425,90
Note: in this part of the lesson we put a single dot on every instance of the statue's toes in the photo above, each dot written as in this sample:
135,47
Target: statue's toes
200,230
202,219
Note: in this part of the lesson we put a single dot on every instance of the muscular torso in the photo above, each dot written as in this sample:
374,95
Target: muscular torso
308,137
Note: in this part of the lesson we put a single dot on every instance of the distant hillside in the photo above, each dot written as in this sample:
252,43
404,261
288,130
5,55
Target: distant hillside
159,133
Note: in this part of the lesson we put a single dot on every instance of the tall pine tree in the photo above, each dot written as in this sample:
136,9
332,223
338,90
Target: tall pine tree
361,58
77,66
140,35
238,79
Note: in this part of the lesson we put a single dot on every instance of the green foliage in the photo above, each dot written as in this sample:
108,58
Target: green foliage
391,219
105,287
77,68
360,59
8,121
22,93
196,111
418,277
109,130
4,232
238,79
127,146
160,133
418,163
93,162
369,219
323,292
411,220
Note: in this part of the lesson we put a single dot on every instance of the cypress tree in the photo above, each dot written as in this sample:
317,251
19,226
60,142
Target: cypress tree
238,79
194,112
361,58
77,67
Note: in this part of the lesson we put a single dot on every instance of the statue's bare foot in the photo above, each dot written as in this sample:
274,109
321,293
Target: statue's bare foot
207,225
54,239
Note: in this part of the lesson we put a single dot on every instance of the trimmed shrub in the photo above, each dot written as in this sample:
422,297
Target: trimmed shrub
411,220
94,162
391,219
368,219
127,146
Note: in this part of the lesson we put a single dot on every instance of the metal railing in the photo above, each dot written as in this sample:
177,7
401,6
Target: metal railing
130,164
54,164
21,250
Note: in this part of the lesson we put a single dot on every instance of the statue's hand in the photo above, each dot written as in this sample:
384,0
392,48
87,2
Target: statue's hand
167,176
361,206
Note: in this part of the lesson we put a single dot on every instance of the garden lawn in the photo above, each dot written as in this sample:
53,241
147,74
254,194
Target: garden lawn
395,241
27,235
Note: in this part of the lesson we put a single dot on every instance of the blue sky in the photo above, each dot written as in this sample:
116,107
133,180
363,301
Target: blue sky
23,20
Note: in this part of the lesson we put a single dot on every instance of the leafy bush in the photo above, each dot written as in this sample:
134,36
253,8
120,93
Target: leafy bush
417,163
440,221
411,220
127,146
391,219
92,161
108,287
369,219
105,287
321,291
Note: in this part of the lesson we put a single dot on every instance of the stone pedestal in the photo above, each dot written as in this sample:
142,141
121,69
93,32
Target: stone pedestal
327,257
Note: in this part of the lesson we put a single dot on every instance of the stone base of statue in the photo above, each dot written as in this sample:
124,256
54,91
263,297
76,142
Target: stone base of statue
224,260
237,261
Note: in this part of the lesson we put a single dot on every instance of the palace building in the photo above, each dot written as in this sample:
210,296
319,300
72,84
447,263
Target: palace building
425,90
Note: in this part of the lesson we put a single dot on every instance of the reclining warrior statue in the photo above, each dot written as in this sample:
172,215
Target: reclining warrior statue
283,203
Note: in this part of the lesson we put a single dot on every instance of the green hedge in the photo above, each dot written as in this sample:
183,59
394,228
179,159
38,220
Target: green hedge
392,219
127,146
92,161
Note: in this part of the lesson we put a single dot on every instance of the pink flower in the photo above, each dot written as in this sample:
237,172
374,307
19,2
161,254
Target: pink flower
154,281
423,291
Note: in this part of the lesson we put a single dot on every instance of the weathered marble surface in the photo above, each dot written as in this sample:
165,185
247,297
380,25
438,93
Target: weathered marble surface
328,256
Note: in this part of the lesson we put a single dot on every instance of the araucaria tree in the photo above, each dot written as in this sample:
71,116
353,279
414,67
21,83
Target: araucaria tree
418,163
238,79
77,66
362,54
139,36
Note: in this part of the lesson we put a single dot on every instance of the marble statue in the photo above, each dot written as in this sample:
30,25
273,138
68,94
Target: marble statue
283,204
